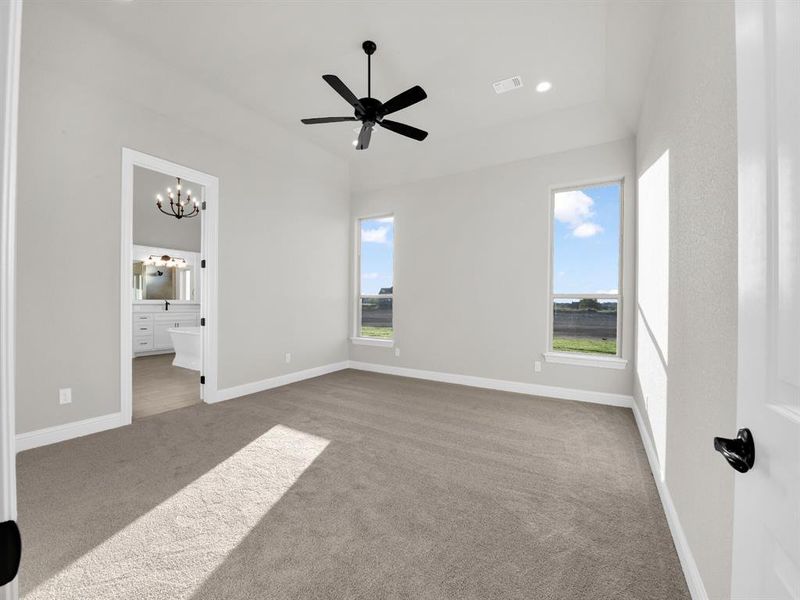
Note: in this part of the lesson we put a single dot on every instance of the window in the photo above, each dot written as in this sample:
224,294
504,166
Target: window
585,298
184,291
375,302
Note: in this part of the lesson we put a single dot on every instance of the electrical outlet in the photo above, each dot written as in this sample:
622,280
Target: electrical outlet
65,396
288,357
397,351
537,366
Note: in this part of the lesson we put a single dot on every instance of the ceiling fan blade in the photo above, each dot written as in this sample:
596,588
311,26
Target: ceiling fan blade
404,100
403,129
327,120
364,137
344,91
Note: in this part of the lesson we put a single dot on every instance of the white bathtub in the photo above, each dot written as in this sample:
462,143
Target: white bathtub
188,347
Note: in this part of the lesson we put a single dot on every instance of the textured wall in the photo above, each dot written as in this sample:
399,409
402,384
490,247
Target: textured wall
471,268
690,111
283,231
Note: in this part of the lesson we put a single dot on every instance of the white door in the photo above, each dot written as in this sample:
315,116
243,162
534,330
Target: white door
766,541
10,18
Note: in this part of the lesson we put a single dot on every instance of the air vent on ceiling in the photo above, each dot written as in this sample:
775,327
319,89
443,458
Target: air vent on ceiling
506,85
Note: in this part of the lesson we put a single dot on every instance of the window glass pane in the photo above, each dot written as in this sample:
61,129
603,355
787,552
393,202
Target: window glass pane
586,326
377,247
586,240
376,318
376,277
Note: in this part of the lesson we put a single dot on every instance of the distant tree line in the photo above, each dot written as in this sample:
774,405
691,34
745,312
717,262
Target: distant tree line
587,304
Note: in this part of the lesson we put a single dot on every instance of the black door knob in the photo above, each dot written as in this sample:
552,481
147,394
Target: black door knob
740,452
10,551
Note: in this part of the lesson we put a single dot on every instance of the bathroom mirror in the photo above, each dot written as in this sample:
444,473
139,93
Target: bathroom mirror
153,282
165,274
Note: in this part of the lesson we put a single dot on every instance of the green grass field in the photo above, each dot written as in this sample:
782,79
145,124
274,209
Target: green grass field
383,333
593,346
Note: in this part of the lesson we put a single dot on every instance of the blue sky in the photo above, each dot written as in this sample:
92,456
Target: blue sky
586,237
377,246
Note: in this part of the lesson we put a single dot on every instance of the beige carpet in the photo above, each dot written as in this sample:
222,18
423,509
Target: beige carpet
352,485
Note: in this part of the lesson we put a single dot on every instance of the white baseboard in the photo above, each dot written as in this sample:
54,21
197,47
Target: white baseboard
690,571
277,381
60,433
533,389
67,431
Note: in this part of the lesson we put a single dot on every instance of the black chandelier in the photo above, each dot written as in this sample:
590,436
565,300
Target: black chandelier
178,206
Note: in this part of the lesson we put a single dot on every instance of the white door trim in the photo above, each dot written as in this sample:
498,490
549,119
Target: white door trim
10,25
208,289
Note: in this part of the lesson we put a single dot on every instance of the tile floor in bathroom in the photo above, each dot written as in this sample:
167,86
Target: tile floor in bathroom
159,387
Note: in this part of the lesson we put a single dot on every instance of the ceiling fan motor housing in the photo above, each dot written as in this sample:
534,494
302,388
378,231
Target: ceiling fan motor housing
373,110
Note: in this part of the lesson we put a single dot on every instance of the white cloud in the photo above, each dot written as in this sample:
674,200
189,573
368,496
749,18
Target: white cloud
575,209
383,220
614,291
585,230
377,236
370,275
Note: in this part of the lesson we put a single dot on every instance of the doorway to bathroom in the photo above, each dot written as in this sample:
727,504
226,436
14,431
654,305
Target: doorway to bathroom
168,286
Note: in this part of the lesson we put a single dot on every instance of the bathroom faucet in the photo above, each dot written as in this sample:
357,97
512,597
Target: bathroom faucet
166,304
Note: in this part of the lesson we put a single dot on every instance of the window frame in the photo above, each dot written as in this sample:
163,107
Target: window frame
356,337
586,358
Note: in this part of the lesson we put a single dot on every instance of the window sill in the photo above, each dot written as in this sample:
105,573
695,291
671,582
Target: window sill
585,360
362,341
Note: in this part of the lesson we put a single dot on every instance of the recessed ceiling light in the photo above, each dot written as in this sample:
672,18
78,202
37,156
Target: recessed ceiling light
543,86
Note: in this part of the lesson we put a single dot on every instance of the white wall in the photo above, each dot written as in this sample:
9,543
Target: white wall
652,296
471,268
284,214
153,228
690,112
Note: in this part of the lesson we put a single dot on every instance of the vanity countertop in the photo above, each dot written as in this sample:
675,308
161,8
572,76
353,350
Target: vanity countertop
157,306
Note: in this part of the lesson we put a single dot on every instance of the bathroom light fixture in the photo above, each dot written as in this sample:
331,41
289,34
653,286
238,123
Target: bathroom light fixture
178,206
165,261
543,86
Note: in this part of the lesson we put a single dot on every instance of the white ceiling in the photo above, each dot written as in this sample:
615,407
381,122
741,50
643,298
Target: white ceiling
270,58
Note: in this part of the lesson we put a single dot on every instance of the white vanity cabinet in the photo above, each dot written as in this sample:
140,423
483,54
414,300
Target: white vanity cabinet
142,332
151,325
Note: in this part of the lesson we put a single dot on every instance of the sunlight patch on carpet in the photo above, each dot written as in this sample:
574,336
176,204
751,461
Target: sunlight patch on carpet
169,551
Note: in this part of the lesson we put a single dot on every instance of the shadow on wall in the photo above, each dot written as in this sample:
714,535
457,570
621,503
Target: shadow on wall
652,291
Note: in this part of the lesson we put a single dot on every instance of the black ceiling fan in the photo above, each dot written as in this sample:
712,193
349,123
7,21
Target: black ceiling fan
370,111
